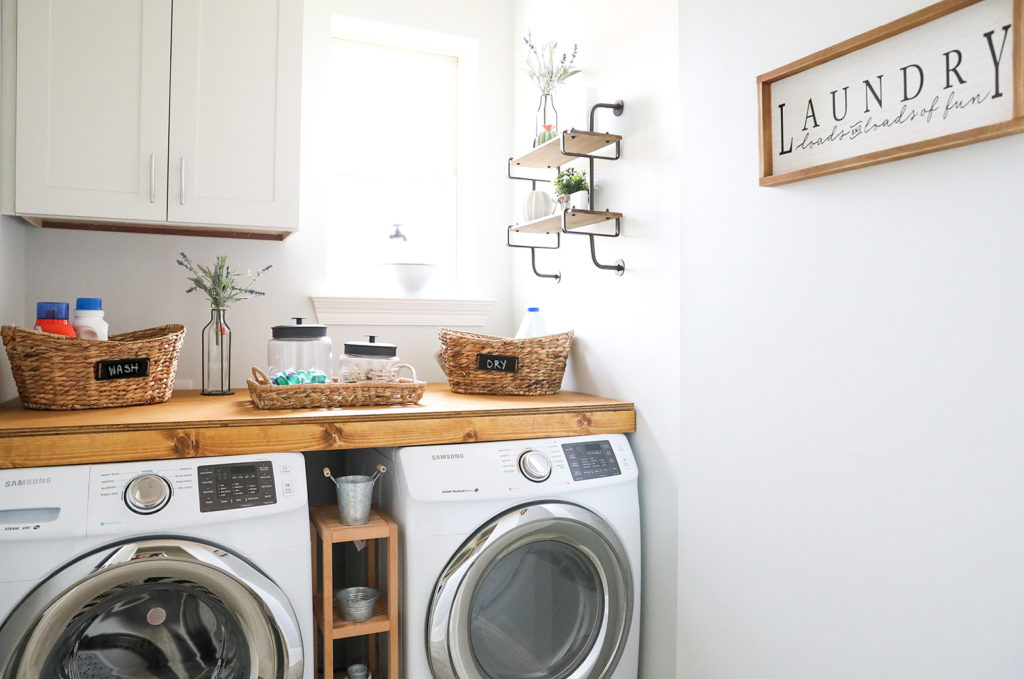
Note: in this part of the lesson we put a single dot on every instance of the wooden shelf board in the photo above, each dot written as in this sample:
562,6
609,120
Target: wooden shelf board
576,141
332,530
343,630
576,219
190,425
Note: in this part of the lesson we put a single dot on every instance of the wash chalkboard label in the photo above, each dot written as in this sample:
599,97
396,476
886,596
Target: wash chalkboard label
501,364
121,368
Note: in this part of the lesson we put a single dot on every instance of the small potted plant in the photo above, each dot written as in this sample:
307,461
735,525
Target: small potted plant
572,190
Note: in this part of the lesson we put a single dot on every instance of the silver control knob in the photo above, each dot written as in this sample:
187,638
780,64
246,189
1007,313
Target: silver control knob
147,494
535,466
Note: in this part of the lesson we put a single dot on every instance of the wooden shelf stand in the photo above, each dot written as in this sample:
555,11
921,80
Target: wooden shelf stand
577,142
574,219
570,145
327,529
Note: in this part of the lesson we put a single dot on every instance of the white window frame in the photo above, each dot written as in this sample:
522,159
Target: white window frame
466,51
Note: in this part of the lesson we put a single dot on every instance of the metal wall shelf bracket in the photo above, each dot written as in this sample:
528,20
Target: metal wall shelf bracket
533,252
569,134
619,266
525,179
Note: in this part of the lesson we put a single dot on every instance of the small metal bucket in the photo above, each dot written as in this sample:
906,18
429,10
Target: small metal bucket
356,603
355,495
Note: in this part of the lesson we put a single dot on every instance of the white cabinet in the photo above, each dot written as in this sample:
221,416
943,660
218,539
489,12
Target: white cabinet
160,113
92,100
234,131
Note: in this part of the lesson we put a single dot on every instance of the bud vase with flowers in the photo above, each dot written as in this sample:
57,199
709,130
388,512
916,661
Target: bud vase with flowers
548,74
222,286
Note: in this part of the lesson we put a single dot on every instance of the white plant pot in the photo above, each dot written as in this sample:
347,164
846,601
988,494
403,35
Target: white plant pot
579,200
538,204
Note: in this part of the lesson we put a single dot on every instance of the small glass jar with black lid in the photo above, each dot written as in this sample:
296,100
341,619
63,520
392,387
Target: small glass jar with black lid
370,361
299,353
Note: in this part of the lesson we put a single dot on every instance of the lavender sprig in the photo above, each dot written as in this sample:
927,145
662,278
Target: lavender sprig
220,282
542,68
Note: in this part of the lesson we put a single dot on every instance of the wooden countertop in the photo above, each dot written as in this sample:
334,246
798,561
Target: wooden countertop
191,425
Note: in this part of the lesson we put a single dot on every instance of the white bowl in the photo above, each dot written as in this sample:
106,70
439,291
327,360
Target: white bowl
412,276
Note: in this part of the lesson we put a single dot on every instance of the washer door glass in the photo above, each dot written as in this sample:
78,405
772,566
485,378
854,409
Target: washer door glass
537,612
544,591
163,630
158,609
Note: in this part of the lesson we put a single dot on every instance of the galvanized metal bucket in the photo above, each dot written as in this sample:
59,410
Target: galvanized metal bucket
355,495
356,603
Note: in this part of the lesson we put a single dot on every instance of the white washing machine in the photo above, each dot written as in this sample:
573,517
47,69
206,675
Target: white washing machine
165,570
520,559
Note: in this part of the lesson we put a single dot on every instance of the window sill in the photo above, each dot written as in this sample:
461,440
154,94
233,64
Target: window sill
375,311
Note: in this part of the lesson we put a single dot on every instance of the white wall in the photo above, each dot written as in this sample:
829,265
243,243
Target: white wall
850,487
141,285
12,291
627,329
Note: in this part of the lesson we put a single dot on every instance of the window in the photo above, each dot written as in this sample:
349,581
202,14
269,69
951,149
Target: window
397,116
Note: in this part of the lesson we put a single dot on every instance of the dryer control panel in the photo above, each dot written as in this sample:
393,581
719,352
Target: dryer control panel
527,469
591,460
234,485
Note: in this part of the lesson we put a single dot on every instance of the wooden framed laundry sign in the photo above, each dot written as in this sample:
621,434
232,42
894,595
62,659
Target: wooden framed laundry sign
948,75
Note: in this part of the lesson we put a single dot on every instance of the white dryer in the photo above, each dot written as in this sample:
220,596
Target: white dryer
164,570
520,559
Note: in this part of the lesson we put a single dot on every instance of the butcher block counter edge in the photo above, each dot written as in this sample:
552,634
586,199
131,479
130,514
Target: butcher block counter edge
191,425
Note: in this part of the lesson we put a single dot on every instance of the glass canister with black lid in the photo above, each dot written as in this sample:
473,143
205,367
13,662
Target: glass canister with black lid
370,361
299,353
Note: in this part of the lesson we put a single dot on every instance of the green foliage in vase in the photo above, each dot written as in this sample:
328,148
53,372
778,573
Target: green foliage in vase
570,181
222,285
542,67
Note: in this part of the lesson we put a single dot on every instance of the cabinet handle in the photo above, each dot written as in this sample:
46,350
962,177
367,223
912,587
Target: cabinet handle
181,182
152,177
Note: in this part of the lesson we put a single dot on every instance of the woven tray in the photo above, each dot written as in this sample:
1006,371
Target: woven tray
484,364
54,372
271,396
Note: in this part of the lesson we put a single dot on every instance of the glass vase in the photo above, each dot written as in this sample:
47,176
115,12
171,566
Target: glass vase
546,123
217,354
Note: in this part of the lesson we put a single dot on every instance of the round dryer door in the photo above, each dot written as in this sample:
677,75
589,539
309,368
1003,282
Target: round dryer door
161,609
544,591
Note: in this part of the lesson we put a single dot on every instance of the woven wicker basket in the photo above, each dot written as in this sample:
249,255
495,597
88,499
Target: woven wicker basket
484,364
271,396
54,372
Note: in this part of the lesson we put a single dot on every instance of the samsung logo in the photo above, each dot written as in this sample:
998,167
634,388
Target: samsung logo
38,481
448,456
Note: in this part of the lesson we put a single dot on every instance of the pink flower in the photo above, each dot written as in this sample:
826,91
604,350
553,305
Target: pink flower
548,128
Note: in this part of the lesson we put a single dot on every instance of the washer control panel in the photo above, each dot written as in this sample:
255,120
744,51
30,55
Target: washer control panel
235,485
591,460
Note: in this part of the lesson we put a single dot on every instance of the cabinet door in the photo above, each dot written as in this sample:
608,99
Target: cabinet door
92,98
235,102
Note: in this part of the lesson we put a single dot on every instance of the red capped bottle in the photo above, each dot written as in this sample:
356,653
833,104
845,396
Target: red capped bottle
53,317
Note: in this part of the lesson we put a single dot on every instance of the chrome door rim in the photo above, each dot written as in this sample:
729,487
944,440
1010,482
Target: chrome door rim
448,644
263,610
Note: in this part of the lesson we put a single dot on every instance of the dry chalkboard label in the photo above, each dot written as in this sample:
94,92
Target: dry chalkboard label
502,364
121,368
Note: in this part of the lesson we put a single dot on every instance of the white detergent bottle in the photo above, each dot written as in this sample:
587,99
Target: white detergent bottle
88,319
533,324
